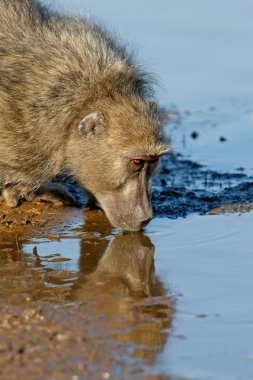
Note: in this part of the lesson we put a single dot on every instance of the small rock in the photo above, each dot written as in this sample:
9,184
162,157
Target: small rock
194,135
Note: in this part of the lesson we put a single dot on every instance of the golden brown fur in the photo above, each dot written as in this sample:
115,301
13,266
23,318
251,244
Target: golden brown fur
54,71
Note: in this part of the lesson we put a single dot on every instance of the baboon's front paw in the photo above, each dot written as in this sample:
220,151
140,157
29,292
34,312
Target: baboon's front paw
11,197
55,193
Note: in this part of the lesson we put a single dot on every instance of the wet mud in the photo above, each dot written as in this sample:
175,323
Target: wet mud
184,187
44,341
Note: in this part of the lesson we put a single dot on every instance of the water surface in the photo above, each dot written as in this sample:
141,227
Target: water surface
178,295
177,299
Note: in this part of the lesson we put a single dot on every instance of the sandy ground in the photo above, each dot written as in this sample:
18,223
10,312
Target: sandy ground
47,342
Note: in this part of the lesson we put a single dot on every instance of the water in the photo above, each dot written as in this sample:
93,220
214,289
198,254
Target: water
181,296
198,49
208,260
196,274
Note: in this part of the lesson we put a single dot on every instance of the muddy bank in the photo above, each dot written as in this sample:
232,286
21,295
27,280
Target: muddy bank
43,341
184,186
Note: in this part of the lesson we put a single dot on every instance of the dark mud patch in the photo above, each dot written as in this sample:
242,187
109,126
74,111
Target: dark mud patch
183,187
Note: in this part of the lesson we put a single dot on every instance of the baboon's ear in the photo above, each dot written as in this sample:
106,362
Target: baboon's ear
91,125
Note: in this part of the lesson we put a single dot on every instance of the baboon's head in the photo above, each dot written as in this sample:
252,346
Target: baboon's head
113,152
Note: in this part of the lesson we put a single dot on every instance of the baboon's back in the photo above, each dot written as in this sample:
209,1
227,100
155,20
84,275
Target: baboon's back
52,69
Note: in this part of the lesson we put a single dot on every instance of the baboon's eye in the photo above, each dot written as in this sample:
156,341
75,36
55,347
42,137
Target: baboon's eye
138,162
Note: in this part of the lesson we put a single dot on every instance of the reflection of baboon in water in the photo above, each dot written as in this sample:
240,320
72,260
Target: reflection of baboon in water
128,261
118,277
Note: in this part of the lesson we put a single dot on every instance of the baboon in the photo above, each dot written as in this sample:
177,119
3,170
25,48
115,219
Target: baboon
74,101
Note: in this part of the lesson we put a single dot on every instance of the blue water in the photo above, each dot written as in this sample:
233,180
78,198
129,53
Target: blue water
209,261
198,49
